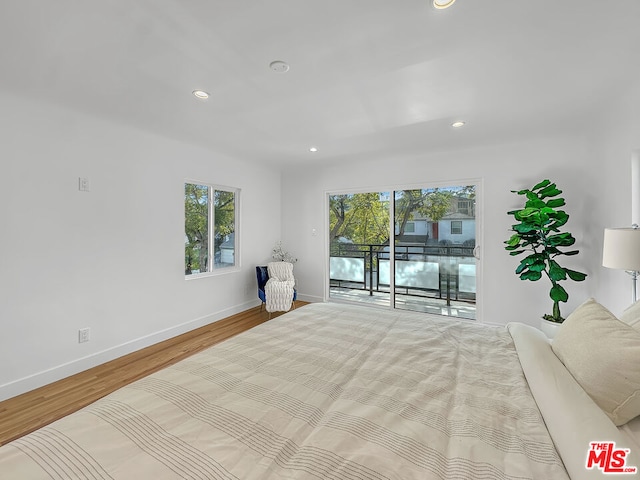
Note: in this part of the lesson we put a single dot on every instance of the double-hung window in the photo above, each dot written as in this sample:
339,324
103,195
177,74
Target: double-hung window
210,228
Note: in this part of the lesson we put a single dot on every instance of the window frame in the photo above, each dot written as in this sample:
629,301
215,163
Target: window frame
458,228
211,230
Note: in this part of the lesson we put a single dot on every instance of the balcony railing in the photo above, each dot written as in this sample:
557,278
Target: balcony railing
443,271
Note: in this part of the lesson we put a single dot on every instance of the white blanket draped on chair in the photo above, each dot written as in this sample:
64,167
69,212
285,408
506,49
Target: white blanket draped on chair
279,287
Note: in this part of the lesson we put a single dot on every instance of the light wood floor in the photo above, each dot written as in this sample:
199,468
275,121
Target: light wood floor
28,412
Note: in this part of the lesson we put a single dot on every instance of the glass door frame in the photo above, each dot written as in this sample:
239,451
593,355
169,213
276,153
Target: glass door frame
392,189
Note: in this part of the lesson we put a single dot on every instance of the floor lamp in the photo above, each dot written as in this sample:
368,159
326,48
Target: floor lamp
621,250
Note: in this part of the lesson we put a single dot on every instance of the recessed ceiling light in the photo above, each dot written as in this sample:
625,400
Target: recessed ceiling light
458,124
440,4
279,66
313,149
201,94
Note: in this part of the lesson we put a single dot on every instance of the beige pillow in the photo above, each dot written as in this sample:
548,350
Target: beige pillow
603,355
631,316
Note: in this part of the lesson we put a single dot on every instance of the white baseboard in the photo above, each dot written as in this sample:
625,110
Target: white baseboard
310,298
45,377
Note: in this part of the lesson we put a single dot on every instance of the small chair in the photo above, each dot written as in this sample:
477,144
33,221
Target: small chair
262,275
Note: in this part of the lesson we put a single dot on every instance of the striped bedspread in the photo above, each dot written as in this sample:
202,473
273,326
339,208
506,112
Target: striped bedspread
324,392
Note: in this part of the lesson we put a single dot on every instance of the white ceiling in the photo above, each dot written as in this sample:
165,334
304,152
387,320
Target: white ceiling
367,77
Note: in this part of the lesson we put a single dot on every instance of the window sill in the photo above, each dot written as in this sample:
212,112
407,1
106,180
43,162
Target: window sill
215,273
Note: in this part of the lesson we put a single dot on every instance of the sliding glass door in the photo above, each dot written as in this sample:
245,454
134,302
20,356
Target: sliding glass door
435,240
358,239
425,261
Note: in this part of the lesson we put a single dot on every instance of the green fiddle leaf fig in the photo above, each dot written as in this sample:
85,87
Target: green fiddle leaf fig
537,267
527,242
560,216
537,234
525,228
576,276
555,203
525,213
549,191
561,240
532,262
556,272
534,258
558,221
542,184
535,204
552,252
513,242
558,294
533,276
531,196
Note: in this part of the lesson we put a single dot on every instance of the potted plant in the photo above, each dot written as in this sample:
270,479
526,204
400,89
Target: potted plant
537,235
280,254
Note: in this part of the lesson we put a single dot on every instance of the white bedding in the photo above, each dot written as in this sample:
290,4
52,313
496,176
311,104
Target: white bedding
329,392
572,417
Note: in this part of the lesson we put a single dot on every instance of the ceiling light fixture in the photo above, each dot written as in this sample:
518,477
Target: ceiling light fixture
201,94
279,66
313,149
442,4
458,124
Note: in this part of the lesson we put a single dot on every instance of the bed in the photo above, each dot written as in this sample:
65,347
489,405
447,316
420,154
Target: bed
333,391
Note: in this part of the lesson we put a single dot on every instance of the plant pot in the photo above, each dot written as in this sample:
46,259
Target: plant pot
549,328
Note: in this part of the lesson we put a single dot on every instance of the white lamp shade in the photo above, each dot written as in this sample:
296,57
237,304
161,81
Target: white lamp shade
621,248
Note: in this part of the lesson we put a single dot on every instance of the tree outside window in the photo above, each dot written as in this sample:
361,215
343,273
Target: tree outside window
210,228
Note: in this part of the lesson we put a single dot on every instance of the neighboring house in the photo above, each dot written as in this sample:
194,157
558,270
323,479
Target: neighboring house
458,226
227,251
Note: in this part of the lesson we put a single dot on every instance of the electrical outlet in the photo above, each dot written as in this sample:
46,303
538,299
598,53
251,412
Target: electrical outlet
84,335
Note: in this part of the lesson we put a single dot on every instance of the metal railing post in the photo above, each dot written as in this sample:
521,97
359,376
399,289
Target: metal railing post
371,270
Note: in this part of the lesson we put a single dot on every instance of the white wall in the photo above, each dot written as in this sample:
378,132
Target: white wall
110,259
613,140
504,298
